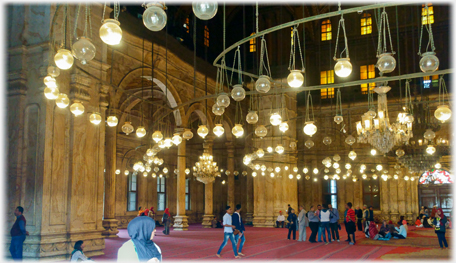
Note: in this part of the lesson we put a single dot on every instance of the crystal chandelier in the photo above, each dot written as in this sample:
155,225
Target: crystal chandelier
206,169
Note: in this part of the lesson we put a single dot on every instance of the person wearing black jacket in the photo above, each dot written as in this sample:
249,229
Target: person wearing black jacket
359,217
292,224
439,225
237,222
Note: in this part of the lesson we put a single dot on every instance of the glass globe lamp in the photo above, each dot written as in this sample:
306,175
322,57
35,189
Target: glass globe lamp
295,169
126,172
165,170
336,165
349,172
338,118
327,140
352,155
336,157
223,100
252,117
315,171
272,175
84,50
279,149
275,119
395,176
150,152
218,130
310,128
442,113
168,142
373,152
406,178
400,152
110,32
429,62
140,131
218,110
50,82
188,134
305,170
77,108
53,71
148,169
63,59
127,128
187,171
161,144
412,178
269,149
260,152
237,130
438,166
295,78
263,84
379,167
430,150
263,168
309,143
298,176
409,118
283,127
227,172
386,63
347,166
290,176
338,170
154,18
343,67
326,177
112,121
202,131
254,174
238,92
177,139
261,131
204,10
157,136
95,118
307,177
51,93
257,167
350,140
364,176
277,169
374,176
429,134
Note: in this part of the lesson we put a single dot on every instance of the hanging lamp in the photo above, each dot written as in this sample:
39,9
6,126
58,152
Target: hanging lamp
343,67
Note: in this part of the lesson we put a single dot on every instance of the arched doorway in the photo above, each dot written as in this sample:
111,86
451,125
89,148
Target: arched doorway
435,188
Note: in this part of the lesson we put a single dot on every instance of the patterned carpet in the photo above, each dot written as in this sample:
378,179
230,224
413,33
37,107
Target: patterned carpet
272,244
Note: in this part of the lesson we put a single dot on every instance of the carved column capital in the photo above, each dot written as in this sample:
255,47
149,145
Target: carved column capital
110,226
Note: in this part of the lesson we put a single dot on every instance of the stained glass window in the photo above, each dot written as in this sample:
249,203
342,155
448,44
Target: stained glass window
436,176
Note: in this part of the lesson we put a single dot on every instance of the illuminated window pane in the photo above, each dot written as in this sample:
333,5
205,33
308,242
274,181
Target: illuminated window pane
424,15
252,44
366,24
326,30
367,72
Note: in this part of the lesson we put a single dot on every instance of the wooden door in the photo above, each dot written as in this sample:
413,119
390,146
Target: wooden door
439,195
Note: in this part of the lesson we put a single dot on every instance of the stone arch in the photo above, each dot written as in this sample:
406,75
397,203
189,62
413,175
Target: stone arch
200,110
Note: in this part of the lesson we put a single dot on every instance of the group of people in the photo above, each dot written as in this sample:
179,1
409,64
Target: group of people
233,230
437,220
166,219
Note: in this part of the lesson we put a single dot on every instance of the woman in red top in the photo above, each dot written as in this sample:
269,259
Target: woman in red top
350,223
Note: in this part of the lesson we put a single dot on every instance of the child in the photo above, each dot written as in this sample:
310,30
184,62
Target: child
418,222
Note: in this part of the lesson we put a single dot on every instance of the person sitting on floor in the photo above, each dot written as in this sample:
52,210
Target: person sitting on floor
373,231
384,233
78,254
402,231
418,222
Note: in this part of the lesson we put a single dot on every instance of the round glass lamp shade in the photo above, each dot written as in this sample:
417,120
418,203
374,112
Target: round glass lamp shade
77,108
277,169
263,168
307,177
218,110
95,118
315,171
442,113
305,170
295,169
275,119
327,140
141,131
110,32
260,153
50,82
298,176
269,149
279,149
261,131
112,121
336,165
127,172
218,130
177,139
237,130
252,117
343,67
202,131
53,71
188,134
430,150
310,128
373,152
64,59
338,119
205,10
429,62
290,176
438,166
84,50
336,157
127,128
148,168
157,136
374,176
379,167
238,92
254,174
263,84
283,127
386,63
51,93
400,152
168,142
347,166
429,134
363,167
154,18
352,155
150,152
223,100
326,177
309,143
295,78
350,140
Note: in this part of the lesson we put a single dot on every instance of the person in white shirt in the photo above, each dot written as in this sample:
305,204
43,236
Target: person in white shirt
280,219
77,254
228,233
303,223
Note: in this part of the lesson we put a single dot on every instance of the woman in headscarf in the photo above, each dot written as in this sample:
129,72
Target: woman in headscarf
77,254
439,226
165,220
152,212
140,247
373,231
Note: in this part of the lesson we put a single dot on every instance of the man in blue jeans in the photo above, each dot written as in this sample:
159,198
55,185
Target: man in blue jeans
228,233
319,224
324,216
237,222
18,234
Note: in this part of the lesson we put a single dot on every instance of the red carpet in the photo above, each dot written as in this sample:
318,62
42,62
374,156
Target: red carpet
261,244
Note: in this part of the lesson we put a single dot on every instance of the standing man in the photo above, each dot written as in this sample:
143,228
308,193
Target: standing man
228,233
237,222
313,224
366,220
359,217
333,222
317,213
350,223
303,222
280,219
18,234
292,224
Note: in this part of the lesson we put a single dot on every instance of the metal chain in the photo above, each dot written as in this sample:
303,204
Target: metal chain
341,22
338,102
384,22
116,10
309,101
64,25
291,64
86,20
294,38
429,29
104,11
76,21
264,53
69,27
89,16
237,54
256,14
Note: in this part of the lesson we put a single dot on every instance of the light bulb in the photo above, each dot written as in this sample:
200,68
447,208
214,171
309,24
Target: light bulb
95,118
379,167
326,177
277,169
261,131
442,113
430,149
252,117
238,92
63,59
157,136
260,153
237,130
254,174
188,134
177,139
223,100
140,131
295,169
127,128
350,140
218,130
309,143
336,165
406,178
305,170
263,84
343,67
112,121
269,149
84,50
154,18
272,175
438,166
386,63
77,108
352,155
310,128
110,32
51,93
347,166
283,127
126,172
218,110
117,171
204,10
161,144
202,131
295,79
298,176
275,119
373,152
338,118
290,176
53,71
279,149
429,62
315,171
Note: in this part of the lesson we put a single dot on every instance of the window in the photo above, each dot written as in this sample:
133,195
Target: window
132,192
424,14
326,30
427,81
161,193
187,25
327,77
206,36
187,194
366,24
330,193
367,72
436,176
252,44
371,193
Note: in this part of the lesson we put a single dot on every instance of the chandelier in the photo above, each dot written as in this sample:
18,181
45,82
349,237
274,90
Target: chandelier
375,128
206,169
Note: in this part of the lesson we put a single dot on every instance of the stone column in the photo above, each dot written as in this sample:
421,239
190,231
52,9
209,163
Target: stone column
208,189
249,202
109,221
230,167
181,220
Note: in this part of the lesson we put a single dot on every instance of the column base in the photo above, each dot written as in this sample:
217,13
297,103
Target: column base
207,221
394,216
263,221
180,223
248,217
409,217
110,226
